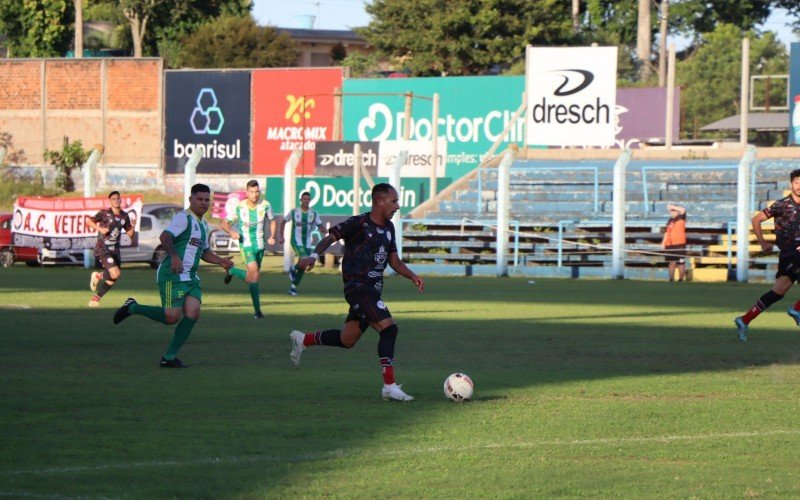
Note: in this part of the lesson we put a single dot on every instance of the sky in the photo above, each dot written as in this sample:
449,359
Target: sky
346,14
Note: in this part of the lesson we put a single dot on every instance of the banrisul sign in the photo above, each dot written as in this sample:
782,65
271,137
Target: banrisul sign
571,96
207,111
335,195
473,113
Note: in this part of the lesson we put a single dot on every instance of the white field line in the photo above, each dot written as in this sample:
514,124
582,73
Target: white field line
346,453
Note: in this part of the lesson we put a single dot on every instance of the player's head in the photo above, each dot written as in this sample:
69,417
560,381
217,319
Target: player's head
384,201
200,199
305,200
115,199
253,191
794,174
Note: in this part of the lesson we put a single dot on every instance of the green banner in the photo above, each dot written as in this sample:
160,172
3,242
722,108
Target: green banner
473,112
334,195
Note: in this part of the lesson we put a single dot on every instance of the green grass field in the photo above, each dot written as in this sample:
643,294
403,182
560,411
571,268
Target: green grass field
583,388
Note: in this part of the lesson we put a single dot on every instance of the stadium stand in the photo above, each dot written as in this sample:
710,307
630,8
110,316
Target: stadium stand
561,219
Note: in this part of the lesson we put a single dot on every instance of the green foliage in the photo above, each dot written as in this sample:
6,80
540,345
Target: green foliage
70,158
338,53
14,181
693,18
710,76
37,28
237,42
441,37
361,65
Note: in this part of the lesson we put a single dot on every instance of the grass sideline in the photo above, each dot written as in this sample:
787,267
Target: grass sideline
583,388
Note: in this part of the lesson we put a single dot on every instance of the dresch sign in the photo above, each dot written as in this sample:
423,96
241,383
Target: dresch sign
571,96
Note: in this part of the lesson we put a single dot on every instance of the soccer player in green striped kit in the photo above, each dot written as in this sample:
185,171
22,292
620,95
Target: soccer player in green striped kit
186,243
304,221
251,215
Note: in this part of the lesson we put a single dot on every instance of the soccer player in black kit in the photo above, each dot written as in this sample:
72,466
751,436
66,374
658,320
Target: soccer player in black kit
109,224
786,212
369,246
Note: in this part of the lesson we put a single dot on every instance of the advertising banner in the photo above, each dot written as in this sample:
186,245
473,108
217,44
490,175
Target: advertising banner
334,195
571,96
61,223
420,158
336,158
473,112
223,204
209,111
641,115
794,94
292,109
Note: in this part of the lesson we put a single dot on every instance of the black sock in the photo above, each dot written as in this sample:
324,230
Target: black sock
386,342
103,288
329,337
768,299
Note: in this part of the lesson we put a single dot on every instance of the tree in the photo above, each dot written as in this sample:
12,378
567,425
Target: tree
468,37
71,157
238,42
139,13
692,18
360,65
710,77
37,28
338,53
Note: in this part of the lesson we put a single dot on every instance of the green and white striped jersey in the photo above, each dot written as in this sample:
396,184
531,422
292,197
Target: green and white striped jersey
303,224
191,240
251,223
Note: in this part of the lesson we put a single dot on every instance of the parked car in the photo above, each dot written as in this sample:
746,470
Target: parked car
221,243
9,254
155,218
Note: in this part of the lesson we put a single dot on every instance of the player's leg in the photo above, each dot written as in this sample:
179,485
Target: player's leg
170,311
191,313
295,273
682,264
354,327
240,273
252,276
779,289
102,282
794,310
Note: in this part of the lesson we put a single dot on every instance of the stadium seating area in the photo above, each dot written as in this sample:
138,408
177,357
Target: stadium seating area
561,219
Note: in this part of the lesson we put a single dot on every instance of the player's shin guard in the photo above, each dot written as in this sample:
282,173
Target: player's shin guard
255,296
182,332
760,306
331,338
103,288
386,342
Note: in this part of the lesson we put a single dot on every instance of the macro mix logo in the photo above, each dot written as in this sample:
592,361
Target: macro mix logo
207,116
297,135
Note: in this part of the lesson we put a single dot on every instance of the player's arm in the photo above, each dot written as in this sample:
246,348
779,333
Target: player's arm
272,233
402,269
92,223
130,230
756,221
281,233
226,226
212,258
168,242
307,263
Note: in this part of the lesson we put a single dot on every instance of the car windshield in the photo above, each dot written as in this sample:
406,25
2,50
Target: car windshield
165,214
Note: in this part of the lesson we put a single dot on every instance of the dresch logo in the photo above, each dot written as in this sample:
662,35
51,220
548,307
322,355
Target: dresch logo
297,136
574,81
207,119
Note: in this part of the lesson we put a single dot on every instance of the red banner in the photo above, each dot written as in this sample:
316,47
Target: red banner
60,223
292,109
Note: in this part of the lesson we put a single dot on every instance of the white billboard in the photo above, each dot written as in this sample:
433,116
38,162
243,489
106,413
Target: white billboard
571,95
420,158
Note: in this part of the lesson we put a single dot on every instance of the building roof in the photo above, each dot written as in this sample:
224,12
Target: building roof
323,35
767,122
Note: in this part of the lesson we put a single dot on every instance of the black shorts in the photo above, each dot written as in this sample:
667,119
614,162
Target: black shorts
108,258
366,307
676,253
789,266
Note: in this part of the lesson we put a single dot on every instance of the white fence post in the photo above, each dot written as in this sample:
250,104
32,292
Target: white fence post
89,190
190,175
618,216
503,178
743,214
402,158
289,201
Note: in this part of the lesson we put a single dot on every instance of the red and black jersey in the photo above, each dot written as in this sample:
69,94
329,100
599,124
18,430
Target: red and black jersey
787,225
115,224
367,247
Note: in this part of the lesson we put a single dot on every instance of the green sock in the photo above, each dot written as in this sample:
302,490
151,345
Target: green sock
239,273
298,275
152,312
182,332
255,295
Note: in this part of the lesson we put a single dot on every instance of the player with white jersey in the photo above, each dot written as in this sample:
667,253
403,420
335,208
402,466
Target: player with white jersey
250,215
186,243
304,222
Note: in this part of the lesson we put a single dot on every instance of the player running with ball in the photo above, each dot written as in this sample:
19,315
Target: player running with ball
369,245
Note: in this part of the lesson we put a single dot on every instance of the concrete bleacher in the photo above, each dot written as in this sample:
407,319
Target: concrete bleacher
563,218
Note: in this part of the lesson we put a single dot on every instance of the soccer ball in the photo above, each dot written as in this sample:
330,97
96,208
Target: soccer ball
458,387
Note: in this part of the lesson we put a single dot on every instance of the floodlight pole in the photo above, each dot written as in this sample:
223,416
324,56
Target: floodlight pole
745,91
